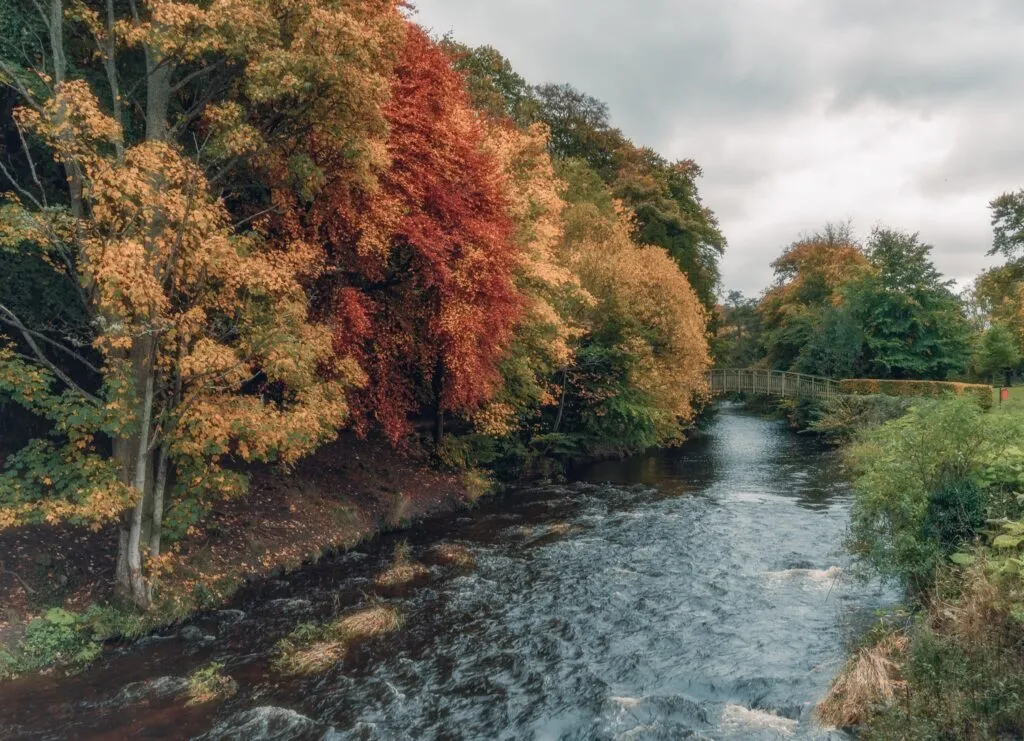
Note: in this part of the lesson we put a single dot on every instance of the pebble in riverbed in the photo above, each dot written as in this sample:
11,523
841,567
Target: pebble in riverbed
193,634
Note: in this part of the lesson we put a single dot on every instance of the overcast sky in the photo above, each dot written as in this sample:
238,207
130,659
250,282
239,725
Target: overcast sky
908,113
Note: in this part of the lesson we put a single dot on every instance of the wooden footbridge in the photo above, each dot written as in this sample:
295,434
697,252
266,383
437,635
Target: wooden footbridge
764,382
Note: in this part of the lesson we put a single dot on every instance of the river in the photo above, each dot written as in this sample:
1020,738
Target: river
694,593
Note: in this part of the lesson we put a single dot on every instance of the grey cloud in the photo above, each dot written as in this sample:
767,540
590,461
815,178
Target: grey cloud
986,157
689,76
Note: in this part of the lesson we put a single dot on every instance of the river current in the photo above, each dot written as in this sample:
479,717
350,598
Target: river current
695,593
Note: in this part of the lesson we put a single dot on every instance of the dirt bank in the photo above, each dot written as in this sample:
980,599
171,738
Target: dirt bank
347,491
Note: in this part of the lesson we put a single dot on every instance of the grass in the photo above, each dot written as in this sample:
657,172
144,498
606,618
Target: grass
870,678
452,554
370,622
311,648
1014,403
957,674
403,570
309,659
209,683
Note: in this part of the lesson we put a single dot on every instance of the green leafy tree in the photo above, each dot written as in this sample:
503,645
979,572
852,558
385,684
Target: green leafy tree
835,345
670,214
580,128
737,339
493,85
914,325
998,352
1008,224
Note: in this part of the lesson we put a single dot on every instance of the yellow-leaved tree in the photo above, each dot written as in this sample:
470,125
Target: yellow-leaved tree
200,346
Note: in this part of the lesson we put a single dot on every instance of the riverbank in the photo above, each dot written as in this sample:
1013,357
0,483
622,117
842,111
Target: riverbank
61,577
619,605
947,530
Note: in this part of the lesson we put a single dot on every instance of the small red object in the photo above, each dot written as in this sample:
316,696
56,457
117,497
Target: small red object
1004,394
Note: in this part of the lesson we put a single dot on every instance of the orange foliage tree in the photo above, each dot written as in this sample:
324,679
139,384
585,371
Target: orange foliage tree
551,325
641,371
809,279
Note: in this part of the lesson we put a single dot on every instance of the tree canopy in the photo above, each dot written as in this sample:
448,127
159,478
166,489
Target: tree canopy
256,224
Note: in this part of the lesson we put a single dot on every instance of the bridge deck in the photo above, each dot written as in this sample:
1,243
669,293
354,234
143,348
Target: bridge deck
771,383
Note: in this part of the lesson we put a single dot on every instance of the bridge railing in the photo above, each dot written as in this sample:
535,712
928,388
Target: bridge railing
765,382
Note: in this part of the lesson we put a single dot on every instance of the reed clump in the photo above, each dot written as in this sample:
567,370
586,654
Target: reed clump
403,570
871,678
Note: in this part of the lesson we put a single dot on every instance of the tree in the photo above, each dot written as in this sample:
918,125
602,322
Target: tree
535,369
493,85
641,366
580,128
425,295
200,346
663,195
737,339
835,346
998,352
1008,224
810,276
998,293
670,214
913,324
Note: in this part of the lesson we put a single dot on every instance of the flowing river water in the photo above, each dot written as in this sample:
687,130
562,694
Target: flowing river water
694,593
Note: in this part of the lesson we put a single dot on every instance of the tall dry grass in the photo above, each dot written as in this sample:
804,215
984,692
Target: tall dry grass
871,678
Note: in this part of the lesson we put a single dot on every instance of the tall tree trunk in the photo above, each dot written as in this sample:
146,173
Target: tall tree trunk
158,95
136,471
156,525
438,388
110,66
561,403
73,170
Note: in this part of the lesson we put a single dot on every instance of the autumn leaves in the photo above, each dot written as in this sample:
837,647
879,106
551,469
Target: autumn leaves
279,219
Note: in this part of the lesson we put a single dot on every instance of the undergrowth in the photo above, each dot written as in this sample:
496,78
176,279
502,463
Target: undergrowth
69,640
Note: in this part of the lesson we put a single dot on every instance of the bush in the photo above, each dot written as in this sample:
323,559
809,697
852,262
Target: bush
964,670
1003,474
69,639
58,638
844,417
981,393
955,513
912,469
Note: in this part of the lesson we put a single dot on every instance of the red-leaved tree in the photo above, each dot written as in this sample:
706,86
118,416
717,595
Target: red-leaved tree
423,287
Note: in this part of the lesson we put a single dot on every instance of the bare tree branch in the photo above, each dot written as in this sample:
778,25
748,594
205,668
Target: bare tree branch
54,343
247,219
197,73
17,186
13,320
13,82
31,164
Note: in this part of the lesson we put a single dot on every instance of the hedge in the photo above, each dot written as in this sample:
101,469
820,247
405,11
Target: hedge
980,392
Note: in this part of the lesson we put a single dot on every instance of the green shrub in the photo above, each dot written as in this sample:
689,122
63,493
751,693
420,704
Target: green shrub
1003,474
71,640
981,393
58,638
956,511
846,416
899,469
